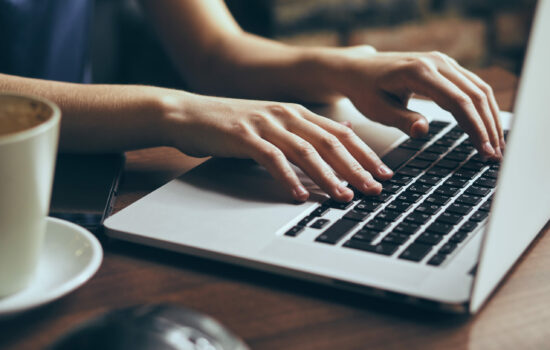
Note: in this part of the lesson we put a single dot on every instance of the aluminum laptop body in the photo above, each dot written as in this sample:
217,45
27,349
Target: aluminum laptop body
233,211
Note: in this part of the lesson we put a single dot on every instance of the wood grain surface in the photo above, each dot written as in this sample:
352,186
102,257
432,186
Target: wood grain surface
274,312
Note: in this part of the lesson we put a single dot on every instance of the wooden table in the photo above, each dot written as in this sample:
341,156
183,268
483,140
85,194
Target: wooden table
273,312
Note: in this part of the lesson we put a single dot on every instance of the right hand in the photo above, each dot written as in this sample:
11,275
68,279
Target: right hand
274,134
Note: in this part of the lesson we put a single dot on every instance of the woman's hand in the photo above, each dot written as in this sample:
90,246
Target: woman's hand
381,84
274,134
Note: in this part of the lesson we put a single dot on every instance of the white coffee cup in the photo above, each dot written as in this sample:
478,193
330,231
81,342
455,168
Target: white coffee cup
29,131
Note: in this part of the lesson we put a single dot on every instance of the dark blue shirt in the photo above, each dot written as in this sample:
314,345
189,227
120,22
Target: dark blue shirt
47,39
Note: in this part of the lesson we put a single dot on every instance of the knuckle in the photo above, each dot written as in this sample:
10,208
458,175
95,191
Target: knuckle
344,133
330,142
486,88
273,154
464,101
422,67
478,97
357,170
304,149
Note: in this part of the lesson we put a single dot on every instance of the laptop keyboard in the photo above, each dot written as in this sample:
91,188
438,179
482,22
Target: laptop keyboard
440,193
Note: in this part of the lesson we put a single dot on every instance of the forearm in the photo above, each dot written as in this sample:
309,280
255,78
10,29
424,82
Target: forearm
100,118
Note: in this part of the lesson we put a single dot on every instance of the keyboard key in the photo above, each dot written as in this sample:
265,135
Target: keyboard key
356,215
473,165
447,164
456,182
485,206
396,238
377,225
440,228
409,171
478,191
457,156
381,198
491,174
389,187
427,156
381,248
438,125
436,149
468,199
398,157
437,259
465,174
437,199
429,179
464,148
445,142
468,226
319,211
429,238
365,235
337,205
413,144
458,237
458,208
408,228
306,220
419,188
441,172
401,179
335,232
367,206
398,206
409,197
449,218
486,182
320,223
427,208
419,163
415,252
418,217
448,191
479,216
294,231
447,248
388,215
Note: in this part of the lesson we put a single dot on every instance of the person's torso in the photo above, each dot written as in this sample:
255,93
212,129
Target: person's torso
47,39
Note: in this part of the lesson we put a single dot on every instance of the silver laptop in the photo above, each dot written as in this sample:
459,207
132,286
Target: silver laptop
444,232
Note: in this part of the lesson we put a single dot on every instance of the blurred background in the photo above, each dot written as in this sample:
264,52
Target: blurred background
477,33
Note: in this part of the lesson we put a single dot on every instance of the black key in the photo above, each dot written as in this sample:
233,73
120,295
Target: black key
437,171
468,226
427,156
409,197
381,198
436,149
409,171
456,156
437,199
491,174
408,228
464,148
420,188
437,259
485,206
320,223
388,215
479,216
438,125
440,228
447,164
306,220
473,165
429,238
396,238
448,191
294,231
367,206
398,206
447,248
429,179
365,235
319,211
445,141
468,199
335,232
337,205
377,225
418,217
413,144
456,181
415,252
458,208
401,179
465,174
486,182
478,191
419,163
427,208
391,187
381,248
356,215
449,218
458,237
356,193
398,157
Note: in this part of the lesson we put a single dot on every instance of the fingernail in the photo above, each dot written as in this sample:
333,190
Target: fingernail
419,127
343,189
488,149
369,186
346,123
300,193
384,170
498,152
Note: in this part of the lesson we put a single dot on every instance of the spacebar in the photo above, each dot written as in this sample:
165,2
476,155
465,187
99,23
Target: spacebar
397,157
338,230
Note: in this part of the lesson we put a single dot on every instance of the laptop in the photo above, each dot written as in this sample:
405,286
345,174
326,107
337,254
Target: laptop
444,232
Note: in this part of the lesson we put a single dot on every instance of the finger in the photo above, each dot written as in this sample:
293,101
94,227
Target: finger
480,100
275,162
306,157
492,101
429,82
356,148
410,122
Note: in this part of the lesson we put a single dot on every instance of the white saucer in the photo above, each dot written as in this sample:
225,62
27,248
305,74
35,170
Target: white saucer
70,256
